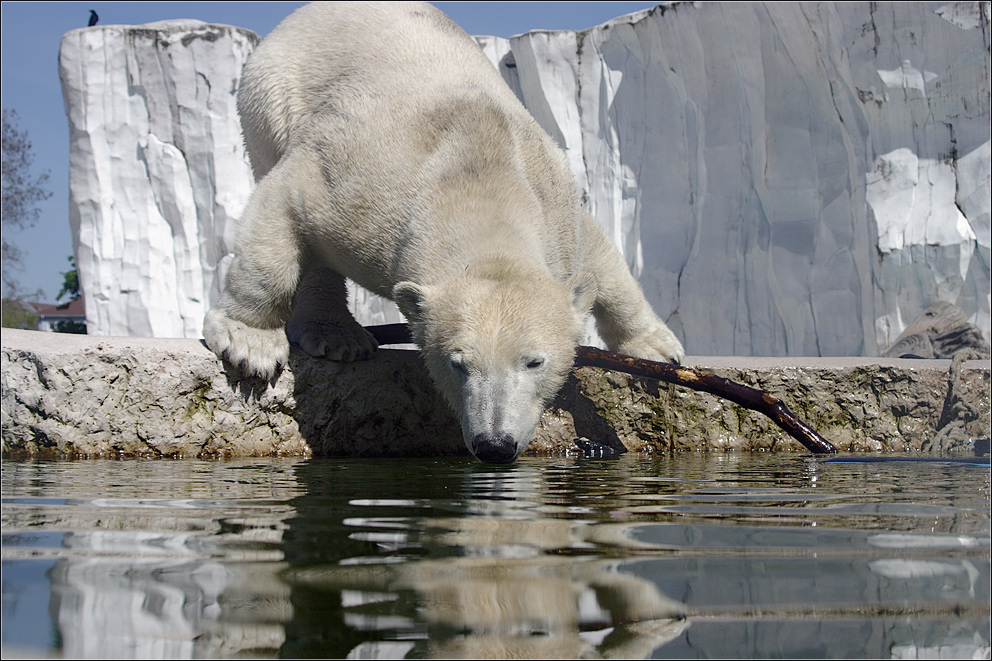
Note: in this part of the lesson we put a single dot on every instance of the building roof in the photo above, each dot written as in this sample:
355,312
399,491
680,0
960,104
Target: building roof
72,309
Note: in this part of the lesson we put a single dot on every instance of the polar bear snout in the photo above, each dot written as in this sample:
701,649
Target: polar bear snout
500,407
494,448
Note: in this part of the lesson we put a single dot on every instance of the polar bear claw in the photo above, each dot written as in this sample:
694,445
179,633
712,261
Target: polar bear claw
254,351
327,339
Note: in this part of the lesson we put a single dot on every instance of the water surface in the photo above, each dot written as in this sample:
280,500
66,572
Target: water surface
684,556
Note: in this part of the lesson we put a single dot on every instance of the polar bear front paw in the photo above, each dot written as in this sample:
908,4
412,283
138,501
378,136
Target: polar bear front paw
659,344
342,342
253,351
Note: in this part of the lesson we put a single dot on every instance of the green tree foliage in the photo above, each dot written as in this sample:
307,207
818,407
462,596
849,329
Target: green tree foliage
70,287
15,315
70,282
22,191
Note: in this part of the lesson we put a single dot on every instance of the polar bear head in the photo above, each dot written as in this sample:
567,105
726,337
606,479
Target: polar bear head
499,349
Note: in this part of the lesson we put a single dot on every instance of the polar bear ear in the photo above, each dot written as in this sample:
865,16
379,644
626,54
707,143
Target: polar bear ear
582,288
411,299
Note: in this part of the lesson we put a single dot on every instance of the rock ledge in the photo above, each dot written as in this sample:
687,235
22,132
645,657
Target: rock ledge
82,396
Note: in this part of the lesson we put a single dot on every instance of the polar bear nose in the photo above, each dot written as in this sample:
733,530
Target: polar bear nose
494,448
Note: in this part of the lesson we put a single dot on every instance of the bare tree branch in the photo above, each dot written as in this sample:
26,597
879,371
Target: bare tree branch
22,191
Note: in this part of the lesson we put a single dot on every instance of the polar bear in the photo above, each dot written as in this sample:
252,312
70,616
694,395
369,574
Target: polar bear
388,149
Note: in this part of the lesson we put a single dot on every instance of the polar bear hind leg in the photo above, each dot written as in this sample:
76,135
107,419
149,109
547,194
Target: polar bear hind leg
321,323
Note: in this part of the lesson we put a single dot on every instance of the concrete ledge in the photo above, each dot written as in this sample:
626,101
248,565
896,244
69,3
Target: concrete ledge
82,396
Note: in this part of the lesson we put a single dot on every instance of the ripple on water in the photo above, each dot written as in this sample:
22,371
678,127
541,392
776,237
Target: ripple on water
669,556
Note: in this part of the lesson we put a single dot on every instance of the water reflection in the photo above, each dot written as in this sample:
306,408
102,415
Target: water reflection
689,556
496,576
155,576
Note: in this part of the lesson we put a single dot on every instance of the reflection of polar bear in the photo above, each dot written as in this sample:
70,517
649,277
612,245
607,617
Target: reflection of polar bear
389,150
506,594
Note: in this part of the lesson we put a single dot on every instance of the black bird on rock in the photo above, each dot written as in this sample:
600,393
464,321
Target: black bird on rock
93,18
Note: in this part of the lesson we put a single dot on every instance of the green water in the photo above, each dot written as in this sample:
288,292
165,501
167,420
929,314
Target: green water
685,556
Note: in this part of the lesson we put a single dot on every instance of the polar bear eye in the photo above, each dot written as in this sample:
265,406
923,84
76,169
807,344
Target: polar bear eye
457,362
534,363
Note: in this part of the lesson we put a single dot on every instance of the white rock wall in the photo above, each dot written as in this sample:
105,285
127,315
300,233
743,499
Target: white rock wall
783,178
158,175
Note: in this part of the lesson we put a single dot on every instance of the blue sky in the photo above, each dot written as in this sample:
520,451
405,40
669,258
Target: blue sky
32,31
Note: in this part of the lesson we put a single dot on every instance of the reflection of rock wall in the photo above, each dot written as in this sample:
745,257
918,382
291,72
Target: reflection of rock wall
188,571
711,555
162,608
783,178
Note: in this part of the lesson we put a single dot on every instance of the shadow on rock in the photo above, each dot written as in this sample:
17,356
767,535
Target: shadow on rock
384,406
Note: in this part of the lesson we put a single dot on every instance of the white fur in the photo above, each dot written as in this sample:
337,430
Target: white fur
389,150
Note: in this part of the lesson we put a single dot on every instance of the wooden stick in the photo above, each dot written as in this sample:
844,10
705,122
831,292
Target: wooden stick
391,333
749,398
738,393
